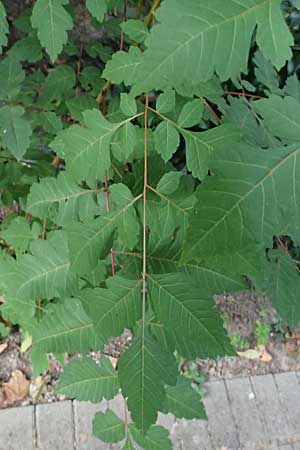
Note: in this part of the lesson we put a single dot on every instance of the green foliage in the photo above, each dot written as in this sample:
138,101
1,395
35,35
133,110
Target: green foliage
150,160
52,22
86,380
262,331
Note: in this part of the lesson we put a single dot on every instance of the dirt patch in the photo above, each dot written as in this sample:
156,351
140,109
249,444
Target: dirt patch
251,321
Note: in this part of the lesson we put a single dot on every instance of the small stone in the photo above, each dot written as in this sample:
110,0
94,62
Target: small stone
251,396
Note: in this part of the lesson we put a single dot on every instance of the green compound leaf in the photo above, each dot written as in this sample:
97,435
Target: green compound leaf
11,77
166,101
123,66
87,150
128,104
124,142
191,113
65,328
281,117
144,369
248,200
19,233
3,27
115,308
220,40
191,324
135,29
52,22
27,49
97,8
156,438
89,242
166,138
15,131
283,272
183,401
86,380
108,427
45,273
61,199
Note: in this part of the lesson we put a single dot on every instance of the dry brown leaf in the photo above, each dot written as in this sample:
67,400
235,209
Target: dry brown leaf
3,346
264,355
17,387
37,388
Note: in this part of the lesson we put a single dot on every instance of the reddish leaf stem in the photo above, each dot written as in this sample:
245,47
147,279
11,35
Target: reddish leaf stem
144,273
242,94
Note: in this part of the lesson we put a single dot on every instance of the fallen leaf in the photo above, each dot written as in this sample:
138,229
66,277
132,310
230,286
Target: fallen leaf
3,346
17,387
37,388
3,402
264,355
250,354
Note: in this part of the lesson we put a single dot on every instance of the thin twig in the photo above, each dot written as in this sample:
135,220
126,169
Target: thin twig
44,230
219,121
242,94
144,273
151,14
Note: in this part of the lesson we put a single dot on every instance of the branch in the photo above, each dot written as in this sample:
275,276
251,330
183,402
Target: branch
151,14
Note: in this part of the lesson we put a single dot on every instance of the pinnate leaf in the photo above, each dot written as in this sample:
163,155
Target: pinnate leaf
11,77
221,41
61,199
3,27
246,201
135,29
15,130
65,328
86,380
282,272
115,308
123,66
143,370
128,104
166,138
52,22
191,324
108,427
191,113
91,241
97,8
166,101
281,117
45,271
183,401
156,438
87,150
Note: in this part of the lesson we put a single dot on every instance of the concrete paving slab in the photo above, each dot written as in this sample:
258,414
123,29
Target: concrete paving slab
17,428
261,413
191,435
289,396
270,408
249,422
84,413
221,424
55,427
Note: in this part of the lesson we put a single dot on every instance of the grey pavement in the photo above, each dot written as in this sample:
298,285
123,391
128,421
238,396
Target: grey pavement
256,413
